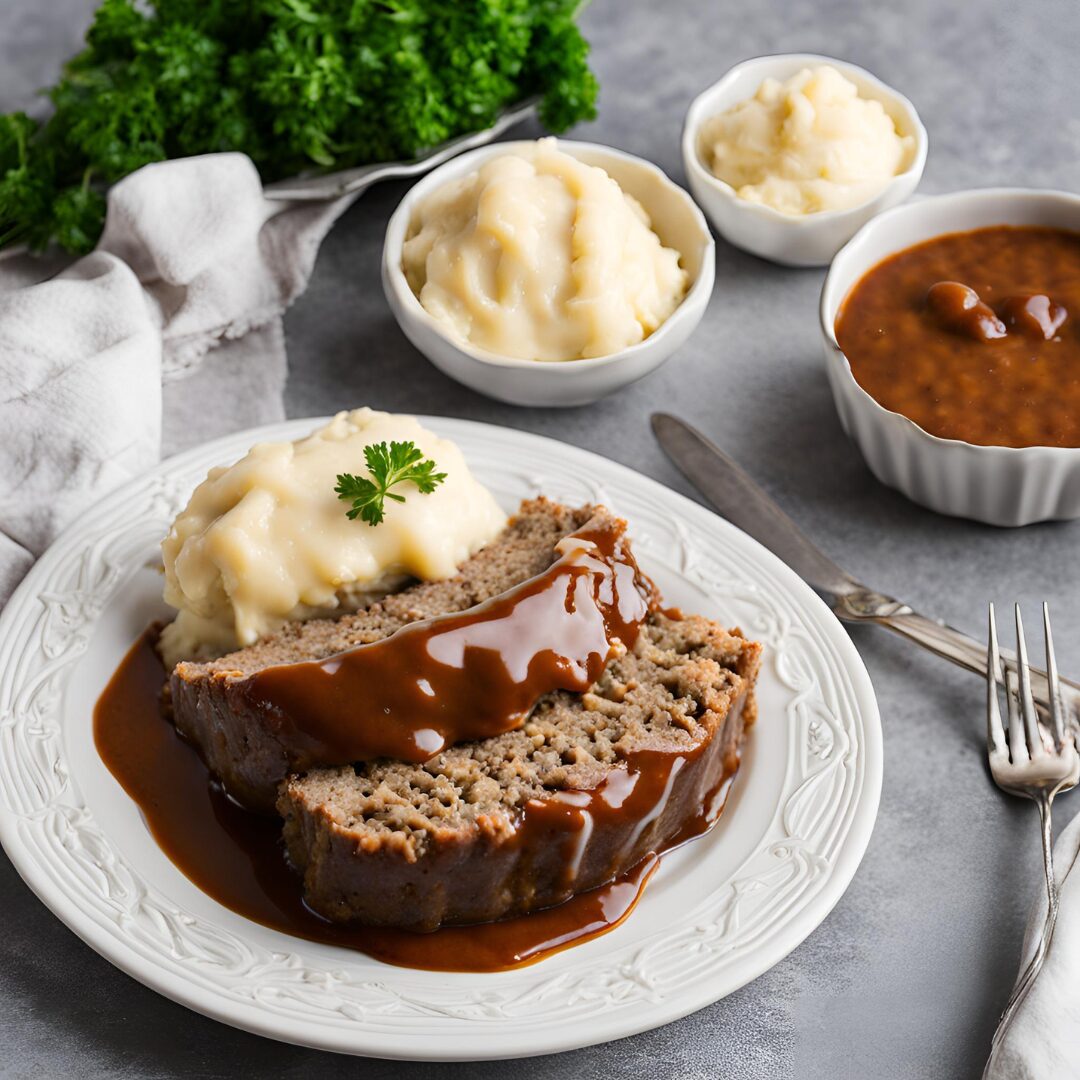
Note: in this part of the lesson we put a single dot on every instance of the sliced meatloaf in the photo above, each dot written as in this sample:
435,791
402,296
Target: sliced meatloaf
479,832
244,747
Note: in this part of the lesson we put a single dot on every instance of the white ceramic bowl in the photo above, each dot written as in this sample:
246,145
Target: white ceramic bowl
999,485
675,218
810,239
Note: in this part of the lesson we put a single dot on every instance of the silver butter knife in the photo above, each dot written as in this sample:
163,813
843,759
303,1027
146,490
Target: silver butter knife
731,491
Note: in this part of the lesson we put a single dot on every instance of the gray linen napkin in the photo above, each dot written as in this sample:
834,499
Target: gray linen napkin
169,333
1043,1042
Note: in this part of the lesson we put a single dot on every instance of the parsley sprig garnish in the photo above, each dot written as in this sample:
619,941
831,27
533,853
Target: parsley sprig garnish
389,466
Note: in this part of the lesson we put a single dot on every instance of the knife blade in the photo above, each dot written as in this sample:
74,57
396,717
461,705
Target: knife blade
739,499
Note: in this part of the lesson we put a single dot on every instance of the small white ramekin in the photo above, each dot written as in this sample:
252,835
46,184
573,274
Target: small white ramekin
999,485
808,239
675,218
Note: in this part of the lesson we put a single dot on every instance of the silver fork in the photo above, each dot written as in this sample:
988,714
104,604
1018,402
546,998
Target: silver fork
1027,760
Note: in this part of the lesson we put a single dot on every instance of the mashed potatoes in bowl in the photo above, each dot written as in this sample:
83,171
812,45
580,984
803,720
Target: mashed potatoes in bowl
806,144
789,165
537,255
577,379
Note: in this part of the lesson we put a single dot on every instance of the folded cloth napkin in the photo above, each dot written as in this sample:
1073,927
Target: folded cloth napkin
1043,1041
193,258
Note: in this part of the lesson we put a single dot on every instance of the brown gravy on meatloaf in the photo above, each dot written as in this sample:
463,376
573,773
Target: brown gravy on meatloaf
466,676
236,856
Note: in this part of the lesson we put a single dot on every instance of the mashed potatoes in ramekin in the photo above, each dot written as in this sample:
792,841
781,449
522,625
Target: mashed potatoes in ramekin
536,255
806,145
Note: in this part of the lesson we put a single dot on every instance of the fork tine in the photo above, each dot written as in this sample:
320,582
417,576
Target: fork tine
1017,743
1033,735
1056,707
995,733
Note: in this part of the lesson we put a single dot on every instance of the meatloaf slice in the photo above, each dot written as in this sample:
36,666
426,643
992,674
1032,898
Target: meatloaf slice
243,747
489,829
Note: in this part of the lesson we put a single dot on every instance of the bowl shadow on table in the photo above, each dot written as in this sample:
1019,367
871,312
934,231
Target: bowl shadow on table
341,337
339,370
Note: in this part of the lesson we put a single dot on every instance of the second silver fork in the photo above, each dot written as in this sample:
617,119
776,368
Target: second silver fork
1026,761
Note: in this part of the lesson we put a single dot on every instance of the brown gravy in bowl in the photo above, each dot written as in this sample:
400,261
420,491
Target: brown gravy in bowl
974,336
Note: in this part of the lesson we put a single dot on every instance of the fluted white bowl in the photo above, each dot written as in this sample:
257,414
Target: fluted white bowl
806,239
999,485
675,219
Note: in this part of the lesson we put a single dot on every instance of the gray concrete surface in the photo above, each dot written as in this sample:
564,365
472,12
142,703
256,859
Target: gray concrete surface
905,977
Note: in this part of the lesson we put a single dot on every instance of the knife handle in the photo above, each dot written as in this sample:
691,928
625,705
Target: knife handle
943,640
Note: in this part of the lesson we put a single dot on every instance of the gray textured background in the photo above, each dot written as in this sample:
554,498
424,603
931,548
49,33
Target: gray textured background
905,977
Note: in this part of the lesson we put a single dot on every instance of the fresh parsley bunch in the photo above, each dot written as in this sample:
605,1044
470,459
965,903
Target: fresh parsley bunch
296,84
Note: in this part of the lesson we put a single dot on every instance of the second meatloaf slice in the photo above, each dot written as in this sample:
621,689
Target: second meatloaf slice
589,786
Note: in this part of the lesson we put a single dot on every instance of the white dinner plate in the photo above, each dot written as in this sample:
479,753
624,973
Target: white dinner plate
718,912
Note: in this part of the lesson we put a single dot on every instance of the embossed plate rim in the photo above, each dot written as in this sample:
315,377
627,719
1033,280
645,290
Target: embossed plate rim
800,871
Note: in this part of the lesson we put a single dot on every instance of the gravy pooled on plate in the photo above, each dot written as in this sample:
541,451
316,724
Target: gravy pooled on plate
974,336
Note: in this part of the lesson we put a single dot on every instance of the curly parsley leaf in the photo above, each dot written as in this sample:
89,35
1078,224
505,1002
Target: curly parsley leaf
398,463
